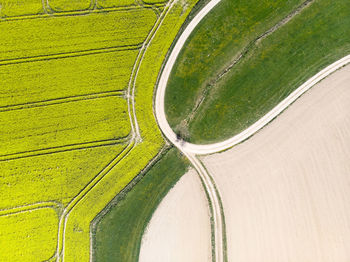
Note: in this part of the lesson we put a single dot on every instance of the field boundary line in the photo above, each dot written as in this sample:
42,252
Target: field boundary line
221,206
102,50
132,81
90,186
47,12
64,148
140,57
136,138
62,100
31,207
56,206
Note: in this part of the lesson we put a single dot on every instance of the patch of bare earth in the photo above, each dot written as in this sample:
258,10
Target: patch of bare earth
179,230
286,190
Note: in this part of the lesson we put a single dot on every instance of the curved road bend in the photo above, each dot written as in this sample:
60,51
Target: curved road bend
192,150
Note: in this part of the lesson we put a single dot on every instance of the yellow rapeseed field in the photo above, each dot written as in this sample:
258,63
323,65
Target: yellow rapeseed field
76,118
23,235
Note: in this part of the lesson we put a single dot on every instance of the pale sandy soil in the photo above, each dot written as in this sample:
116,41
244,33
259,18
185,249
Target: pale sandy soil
179,230
286,191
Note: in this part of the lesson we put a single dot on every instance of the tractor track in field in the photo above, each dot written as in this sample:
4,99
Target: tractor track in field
48,12
62,100
64,148
92,184
135,138
192,151
95,51
31,207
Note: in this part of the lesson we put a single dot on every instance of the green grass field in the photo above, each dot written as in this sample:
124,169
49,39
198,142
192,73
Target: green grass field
72,83
268,72
119,233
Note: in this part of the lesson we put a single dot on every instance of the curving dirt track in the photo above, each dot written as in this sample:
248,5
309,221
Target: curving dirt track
192,150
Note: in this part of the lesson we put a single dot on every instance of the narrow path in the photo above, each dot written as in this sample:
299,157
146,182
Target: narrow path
214,199
191,150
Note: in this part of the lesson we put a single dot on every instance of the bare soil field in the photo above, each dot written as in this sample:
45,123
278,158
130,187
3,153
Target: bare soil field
286,190
180,228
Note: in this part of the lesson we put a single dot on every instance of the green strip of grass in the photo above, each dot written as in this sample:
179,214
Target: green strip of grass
120,231
270,71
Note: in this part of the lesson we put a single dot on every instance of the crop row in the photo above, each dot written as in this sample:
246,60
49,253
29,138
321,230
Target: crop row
56,35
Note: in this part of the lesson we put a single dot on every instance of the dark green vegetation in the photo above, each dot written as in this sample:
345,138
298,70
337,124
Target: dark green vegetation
271,69
120,231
